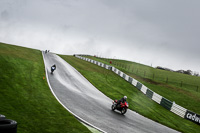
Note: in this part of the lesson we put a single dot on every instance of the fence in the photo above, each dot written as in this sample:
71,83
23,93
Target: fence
152,75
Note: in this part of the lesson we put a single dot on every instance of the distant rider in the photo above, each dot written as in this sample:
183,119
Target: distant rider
53,68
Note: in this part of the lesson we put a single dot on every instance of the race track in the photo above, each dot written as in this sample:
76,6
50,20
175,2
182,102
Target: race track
83,99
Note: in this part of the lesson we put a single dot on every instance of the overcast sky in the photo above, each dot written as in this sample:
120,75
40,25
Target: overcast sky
158,32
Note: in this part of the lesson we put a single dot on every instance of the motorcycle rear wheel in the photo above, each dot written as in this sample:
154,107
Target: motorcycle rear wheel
113,107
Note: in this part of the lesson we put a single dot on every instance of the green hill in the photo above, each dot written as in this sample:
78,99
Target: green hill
182,88
115,87
25,96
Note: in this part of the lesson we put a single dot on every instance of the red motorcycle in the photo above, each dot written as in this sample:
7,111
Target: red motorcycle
122,107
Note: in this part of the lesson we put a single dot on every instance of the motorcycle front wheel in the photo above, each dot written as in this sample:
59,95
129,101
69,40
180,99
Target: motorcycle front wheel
123,111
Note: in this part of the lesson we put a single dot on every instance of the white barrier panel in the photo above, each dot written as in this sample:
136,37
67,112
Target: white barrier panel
117,71
157,98
126,77
107,66
134,82
144,89
178,110
94,62
102,65
113,68
98,63
121,74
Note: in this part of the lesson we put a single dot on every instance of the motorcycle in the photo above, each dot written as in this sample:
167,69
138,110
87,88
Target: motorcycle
52,69
122,107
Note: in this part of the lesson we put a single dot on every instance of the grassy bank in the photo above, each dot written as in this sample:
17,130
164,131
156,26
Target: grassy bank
186,95
26,97
115,87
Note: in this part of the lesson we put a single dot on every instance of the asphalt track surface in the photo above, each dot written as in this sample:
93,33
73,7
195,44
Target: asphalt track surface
83,99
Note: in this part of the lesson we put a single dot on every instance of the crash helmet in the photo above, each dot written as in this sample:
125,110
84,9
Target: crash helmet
125,97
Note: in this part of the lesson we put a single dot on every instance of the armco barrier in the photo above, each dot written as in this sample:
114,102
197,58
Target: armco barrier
172,106
149,93
119,72
166,103
139,85
178,110
157,98
144,89
130,80
126,77
134,82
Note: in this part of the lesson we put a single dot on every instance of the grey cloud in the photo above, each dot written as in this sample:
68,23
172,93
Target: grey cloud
158,32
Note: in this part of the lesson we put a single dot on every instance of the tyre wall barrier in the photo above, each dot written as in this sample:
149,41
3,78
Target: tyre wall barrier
2,117
171,106
8,126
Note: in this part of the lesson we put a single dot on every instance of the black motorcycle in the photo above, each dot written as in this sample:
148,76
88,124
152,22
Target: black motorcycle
53,68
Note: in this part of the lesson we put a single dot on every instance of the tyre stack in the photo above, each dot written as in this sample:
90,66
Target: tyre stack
7,125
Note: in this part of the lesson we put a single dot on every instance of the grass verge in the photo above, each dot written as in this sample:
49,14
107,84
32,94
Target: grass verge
186,96
115,87
25,96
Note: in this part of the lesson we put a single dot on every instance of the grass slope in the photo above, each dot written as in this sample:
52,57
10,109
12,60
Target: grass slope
115,87
26,97
186,95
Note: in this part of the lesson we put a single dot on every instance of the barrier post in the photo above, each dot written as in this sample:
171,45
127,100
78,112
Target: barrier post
167,80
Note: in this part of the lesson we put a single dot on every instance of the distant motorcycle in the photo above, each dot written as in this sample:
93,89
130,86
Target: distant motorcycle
53,68
122,107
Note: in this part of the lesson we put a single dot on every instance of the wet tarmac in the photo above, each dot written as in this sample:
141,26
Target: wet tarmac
83,99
